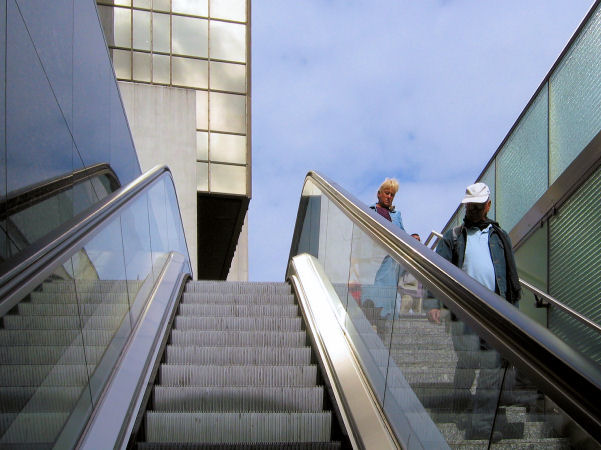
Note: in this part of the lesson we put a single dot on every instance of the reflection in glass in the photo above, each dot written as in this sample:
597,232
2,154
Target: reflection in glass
160,69
190,36
190,72
228,77
228,9
43,373
228,179
161,33
141,34
229,148
228,112
228,41
157,216
142,65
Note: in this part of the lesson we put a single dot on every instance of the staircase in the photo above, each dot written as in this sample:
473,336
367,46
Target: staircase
237,373
50,344
423,354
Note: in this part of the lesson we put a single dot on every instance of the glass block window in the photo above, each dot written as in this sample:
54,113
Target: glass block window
192,7
190,36
228,41
575,262
228,179
575,98
522,165
190,72
228,77
489,179
228,112
228,9
228,148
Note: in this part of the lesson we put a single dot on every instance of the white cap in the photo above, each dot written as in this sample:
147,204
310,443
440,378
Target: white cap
476,193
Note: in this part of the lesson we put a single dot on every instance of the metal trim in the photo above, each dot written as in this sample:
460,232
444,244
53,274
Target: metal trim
362,416
38,262
570,379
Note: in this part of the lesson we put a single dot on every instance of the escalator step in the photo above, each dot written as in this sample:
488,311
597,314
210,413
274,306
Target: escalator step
238,427
240,399
55,337
238,310
80,298
50,309
31,428
51,354
50,375
185,375
12,322
237,355
238,338
238,323
237,299
38,399
236,287
243,446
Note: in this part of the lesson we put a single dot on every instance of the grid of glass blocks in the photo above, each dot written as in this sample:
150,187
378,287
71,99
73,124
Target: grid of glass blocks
198,44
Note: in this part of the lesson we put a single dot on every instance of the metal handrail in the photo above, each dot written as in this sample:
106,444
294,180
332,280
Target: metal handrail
36,263
539,295
569,378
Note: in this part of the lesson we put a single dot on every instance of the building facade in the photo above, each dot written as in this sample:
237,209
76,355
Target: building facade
184,75
545,181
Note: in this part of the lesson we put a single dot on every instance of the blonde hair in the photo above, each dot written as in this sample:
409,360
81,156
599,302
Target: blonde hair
390,184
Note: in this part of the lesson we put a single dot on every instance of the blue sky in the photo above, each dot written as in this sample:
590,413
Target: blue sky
420,90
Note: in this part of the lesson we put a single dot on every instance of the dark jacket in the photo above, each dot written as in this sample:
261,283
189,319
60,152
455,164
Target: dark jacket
452,248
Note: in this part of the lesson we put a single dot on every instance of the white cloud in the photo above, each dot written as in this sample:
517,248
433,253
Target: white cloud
422,91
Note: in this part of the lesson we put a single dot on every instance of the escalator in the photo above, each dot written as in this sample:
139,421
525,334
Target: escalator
105,342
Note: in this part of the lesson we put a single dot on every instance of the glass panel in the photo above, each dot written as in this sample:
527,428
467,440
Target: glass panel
43,374
228,148
522,165
228,77
228,179
574,98
160,69
202,110
194,7
141,34
161,33
122,2
202,176
175,231
202,146
228,112
122,64
159,238
161,5
136,243
438,381
190,72
190,36
142,4
228,9
116,23
228,41
531,260
489,179
142,66
575,266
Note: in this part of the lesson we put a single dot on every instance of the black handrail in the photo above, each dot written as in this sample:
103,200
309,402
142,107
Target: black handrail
35,263
570,379
26,197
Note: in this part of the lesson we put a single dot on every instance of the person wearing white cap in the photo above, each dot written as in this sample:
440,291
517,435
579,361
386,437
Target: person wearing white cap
483,250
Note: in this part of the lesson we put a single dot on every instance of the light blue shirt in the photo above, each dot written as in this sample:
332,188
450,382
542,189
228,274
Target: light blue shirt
477,262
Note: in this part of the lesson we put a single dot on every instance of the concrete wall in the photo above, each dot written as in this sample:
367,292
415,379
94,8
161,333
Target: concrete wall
163,124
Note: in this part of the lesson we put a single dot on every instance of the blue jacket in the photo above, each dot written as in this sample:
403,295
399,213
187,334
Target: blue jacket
452,248
394,215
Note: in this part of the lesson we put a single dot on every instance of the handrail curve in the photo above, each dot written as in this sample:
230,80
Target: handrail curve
569,378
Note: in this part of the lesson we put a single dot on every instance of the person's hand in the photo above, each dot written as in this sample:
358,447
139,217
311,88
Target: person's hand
433,315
